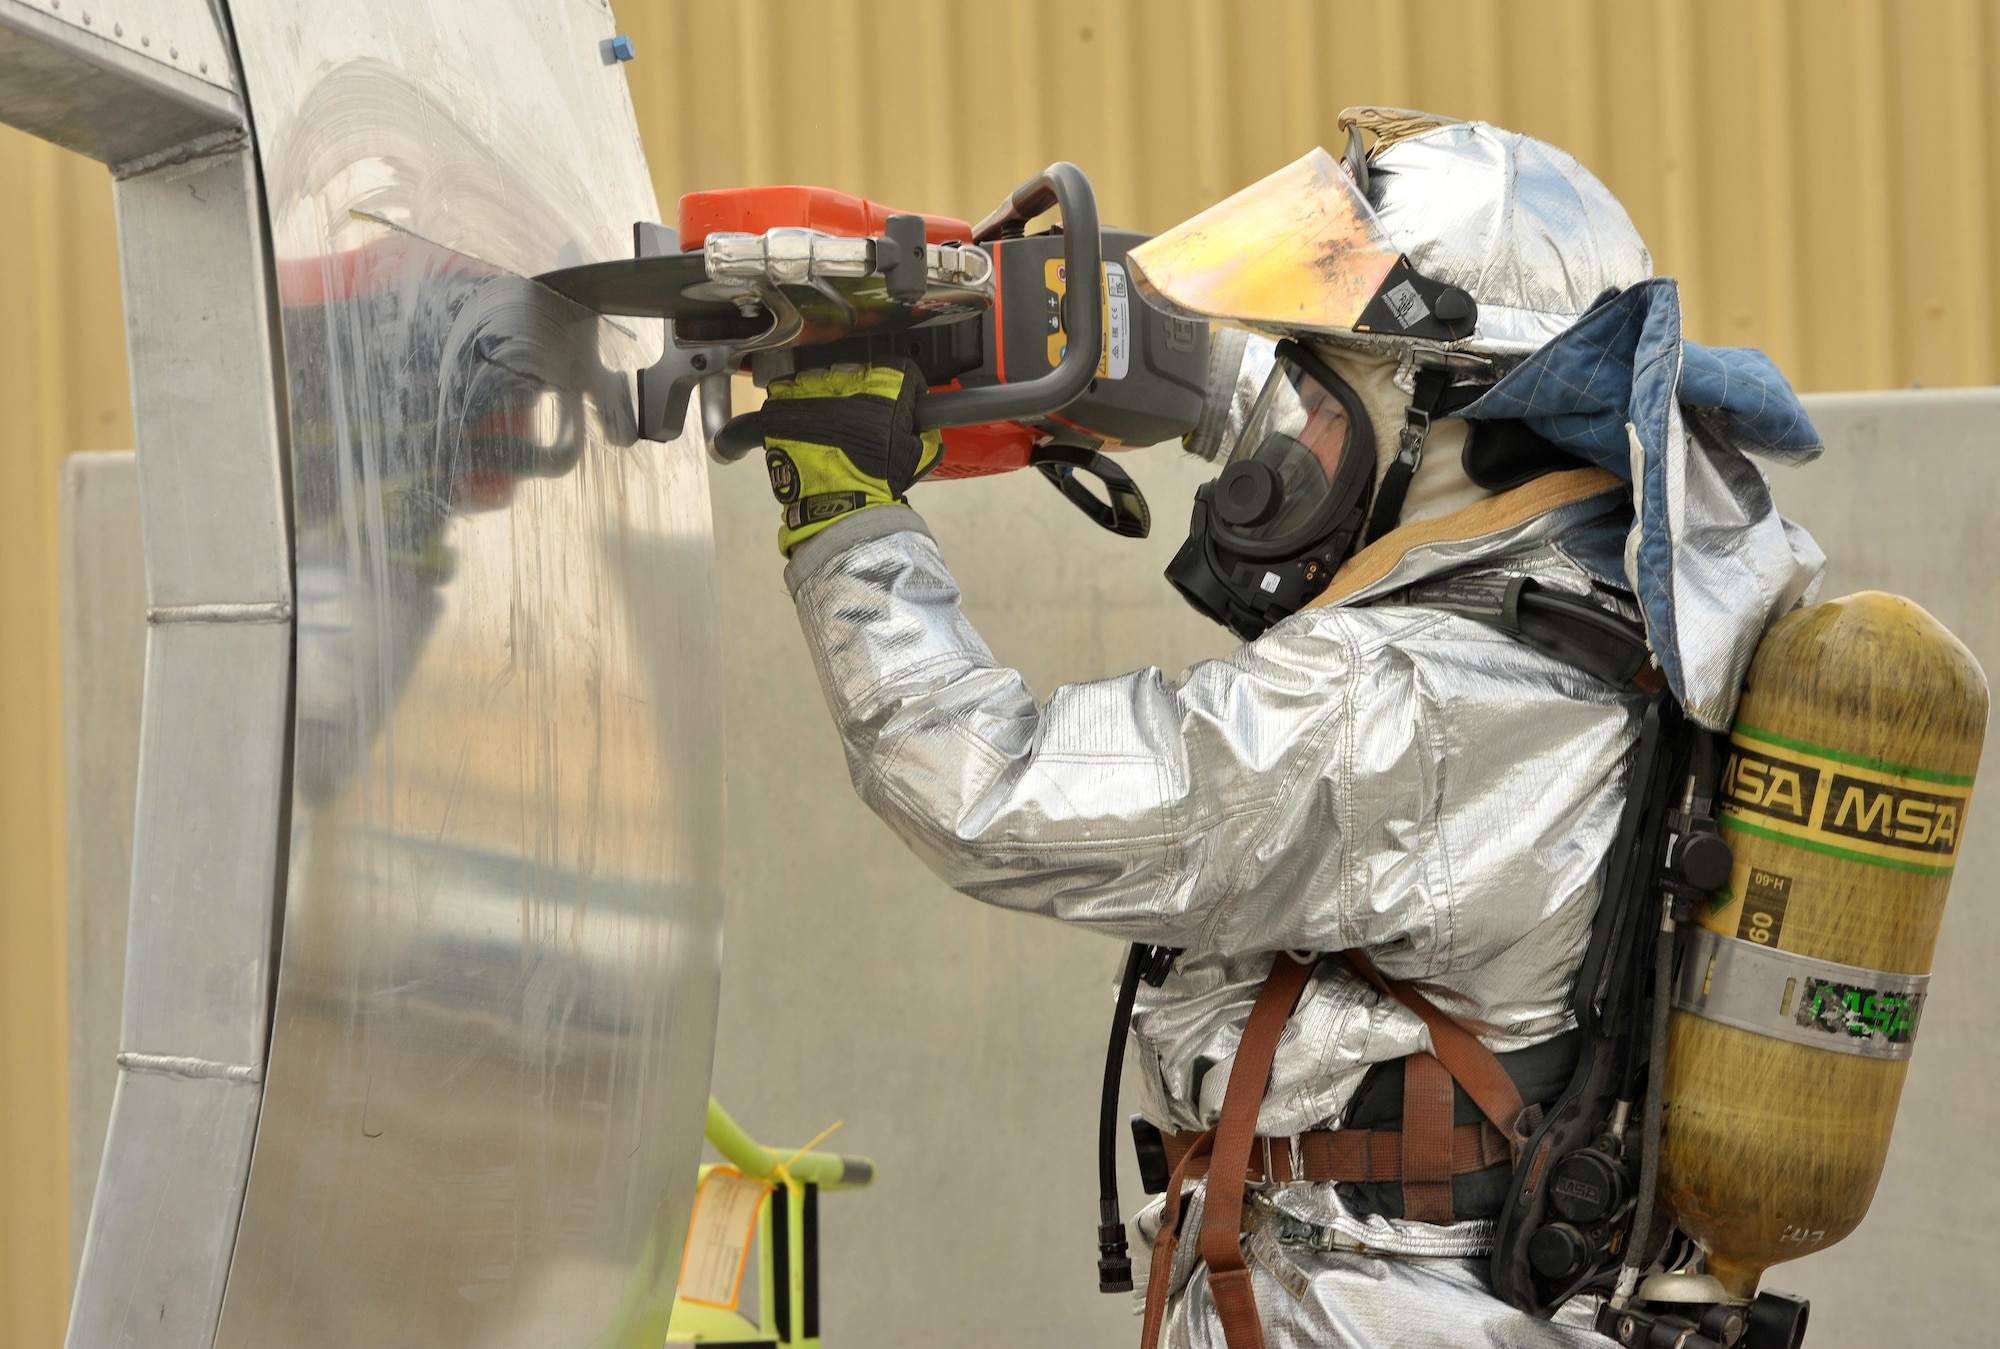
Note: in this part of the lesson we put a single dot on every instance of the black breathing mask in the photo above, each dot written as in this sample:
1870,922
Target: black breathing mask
1290,504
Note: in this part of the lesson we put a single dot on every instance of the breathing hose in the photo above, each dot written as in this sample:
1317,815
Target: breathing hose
1637,1245
1114,1256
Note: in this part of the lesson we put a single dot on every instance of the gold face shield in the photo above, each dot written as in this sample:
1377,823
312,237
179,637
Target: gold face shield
1299,253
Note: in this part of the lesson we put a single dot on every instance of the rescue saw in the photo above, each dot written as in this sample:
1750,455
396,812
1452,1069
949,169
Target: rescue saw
1034,347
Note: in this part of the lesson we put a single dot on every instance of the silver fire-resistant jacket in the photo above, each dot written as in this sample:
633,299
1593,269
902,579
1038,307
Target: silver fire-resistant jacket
1389,777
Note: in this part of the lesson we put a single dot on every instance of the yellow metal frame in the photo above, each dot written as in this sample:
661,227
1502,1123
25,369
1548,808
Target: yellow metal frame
797,1180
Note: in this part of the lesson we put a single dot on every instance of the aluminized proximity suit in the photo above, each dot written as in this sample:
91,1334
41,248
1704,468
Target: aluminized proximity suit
1394,778
1370,773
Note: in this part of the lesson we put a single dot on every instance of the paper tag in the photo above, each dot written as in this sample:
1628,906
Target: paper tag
719,1235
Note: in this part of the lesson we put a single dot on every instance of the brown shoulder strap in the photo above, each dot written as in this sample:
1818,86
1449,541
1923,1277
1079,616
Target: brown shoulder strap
1222,1212
1488,515
1426,1140
1191,1164
1229,1143
1471,1063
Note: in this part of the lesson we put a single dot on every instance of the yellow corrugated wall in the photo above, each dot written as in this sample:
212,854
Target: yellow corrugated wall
62,388
1820,173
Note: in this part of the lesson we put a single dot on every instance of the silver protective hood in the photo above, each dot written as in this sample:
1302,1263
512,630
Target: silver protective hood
1697,538
1516,223
1702,547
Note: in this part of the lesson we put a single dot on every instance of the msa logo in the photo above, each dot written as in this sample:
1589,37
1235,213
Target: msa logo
1769,785
1578,1190
1860,809
1883,814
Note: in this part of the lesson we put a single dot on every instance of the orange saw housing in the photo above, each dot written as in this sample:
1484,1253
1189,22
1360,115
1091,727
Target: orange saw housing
1153,366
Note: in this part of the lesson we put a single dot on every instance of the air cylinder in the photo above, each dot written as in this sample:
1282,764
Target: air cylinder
1797,997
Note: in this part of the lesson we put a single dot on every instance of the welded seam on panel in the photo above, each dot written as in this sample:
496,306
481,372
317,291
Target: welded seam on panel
182,1065
201,147
266,611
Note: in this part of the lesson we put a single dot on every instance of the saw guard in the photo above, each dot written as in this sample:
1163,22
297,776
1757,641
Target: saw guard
754,210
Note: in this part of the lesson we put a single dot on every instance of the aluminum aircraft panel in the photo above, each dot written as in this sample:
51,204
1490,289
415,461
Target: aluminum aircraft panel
496,991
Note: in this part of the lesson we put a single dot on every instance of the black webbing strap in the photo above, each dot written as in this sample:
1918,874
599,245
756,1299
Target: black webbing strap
1428,397
1575,629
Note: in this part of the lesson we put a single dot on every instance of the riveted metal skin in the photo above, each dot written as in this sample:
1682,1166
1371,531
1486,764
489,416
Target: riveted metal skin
492,1021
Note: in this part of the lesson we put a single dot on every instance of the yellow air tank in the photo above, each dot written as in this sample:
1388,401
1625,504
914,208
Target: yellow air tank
1798,996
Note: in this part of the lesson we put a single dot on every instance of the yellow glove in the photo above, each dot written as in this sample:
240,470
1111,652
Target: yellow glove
841,440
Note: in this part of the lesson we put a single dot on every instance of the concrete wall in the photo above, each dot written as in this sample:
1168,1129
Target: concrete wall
1907,499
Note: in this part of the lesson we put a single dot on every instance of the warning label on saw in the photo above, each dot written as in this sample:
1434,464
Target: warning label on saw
1116,311
1884,814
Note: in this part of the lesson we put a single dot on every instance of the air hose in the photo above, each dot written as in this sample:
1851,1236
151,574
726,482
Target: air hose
1114,1257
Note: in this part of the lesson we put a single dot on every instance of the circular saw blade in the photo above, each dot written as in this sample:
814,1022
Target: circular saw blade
653,288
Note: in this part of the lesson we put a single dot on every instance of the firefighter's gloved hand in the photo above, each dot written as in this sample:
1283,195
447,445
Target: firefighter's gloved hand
841,440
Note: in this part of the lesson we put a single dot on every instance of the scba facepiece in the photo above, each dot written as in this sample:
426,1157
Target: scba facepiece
1290,503
1293,498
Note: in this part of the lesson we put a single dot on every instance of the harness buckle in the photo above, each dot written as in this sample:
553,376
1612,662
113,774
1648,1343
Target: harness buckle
1522,1130
1326,1238
1410,444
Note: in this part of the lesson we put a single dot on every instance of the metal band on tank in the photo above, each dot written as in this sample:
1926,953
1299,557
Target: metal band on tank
1843,1008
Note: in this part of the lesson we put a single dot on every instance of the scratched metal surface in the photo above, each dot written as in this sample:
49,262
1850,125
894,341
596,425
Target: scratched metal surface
496,991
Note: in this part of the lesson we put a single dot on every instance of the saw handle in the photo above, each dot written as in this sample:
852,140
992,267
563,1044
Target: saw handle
1123,511
1063,186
